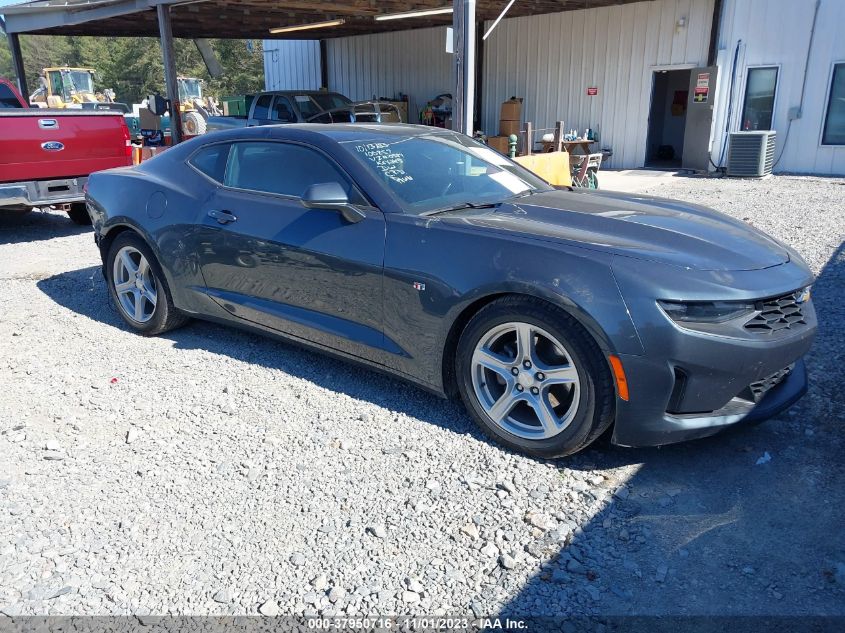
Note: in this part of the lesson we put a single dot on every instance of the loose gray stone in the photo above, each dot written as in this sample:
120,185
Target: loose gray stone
410,597
507,561
223,596
378,531
270,608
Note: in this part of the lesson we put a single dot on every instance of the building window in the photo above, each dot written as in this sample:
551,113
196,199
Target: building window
758,109
834,123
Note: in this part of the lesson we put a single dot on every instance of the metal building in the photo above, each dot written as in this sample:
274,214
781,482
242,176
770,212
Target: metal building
663,82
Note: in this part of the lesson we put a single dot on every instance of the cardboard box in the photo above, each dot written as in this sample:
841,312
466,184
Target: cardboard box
506,128
511,110
498,143
148,120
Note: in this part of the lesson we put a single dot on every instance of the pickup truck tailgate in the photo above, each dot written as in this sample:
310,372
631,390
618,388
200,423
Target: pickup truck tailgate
37,144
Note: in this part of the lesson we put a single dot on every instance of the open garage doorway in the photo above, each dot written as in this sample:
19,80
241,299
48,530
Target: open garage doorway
667,118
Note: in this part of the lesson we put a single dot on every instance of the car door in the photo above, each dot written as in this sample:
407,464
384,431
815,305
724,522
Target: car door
261,110
268,259
282,111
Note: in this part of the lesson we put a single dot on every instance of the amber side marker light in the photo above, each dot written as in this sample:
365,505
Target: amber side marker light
619,375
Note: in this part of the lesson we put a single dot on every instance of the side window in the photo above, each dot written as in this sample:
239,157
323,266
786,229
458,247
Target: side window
834,123
759,105
262,107
282,111
212,161
283,168
306,106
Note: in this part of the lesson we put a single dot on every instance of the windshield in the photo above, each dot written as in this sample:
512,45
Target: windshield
80,80
433,172
190,89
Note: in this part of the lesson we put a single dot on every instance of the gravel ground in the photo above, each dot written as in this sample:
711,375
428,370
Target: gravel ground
211,471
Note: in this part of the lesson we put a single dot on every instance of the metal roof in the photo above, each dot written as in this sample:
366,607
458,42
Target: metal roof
252,18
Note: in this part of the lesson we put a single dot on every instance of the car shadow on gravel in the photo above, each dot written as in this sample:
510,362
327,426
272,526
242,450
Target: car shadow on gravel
84,292
36,226
748,522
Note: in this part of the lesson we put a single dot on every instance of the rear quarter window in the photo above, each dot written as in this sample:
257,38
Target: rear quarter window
211,161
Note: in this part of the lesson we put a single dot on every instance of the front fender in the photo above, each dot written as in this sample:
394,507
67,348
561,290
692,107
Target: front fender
436,271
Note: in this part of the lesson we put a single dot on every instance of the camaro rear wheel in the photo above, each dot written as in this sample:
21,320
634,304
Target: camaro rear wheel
138,287
533,378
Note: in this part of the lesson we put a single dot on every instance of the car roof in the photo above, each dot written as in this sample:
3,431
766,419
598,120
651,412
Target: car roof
315,132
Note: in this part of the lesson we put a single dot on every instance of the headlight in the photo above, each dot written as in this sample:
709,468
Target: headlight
705,311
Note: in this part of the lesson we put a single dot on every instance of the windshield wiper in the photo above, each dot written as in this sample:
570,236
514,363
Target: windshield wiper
461,206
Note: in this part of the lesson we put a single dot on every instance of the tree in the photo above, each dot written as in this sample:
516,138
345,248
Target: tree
132,66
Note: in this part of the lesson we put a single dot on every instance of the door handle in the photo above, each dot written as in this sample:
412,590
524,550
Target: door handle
223,217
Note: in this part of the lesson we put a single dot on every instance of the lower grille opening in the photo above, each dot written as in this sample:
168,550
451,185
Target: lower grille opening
678,389
757,390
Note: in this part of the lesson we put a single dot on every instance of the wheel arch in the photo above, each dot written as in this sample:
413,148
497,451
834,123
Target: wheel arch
591,327
121,226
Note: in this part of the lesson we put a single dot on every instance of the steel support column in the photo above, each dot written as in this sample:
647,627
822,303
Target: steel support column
17,63
463,25
170,82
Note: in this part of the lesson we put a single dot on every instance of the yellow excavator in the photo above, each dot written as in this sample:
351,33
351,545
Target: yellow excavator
66,87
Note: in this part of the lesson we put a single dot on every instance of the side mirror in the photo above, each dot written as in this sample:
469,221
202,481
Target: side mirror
331,196
157,105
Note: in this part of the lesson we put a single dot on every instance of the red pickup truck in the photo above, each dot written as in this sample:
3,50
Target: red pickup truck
47,155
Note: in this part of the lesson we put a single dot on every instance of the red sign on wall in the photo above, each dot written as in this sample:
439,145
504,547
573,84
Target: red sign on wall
592,91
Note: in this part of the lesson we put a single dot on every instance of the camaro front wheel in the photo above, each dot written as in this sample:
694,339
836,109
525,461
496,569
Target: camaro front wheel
138,287
533,378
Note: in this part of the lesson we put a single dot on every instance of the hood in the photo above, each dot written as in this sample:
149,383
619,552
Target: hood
645,227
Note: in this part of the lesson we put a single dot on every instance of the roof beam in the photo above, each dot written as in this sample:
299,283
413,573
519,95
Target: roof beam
24,19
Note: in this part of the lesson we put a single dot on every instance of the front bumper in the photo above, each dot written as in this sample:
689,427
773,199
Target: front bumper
690,384
673,428
42,193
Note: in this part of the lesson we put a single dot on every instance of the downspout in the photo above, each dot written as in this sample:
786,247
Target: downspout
324,65
715,27
797,115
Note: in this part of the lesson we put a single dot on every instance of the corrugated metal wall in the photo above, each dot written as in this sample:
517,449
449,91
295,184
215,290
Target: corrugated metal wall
383,65
777,33
550,60
291,65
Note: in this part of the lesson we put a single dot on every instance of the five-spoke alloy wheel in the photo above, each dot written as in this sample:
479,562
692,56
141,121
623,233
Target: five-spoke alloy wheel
525,380
533,377
138,286
134,284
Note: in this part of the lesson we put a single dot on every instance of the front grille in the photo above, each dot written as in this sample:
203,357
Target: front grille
762,386
775,315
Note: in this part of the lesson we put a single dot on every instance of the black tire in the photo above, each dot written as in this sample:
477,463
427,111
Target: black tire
596,407
165,317
78,214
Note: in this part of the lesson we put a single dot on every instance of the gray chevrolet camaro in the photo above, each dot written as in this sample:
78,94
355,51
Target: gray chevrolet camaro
553,314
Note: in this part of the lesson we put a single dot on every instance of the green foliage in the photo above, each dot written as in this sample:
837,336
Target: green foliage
132,66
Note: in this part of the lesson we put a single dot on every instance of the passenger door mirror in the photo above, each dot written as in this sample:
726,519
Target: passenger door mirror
332,196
